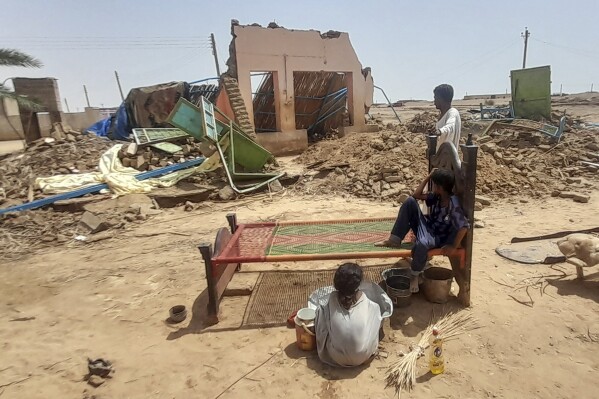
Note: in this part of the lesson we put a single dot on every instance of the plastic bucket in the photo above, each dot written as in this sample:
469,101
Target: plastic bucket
437,284
398,289
304,329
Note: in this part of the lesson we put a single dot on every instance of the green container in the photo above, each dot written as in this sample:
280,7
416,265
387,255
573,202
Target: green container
247,154
188,118
531,93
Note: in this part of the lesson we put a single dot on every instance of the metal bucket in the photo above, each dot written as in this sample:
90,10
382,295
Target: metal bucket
397,290
437,284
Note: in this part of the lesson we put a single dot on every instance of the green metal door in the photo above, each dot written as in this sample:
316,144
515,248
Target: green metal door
531,93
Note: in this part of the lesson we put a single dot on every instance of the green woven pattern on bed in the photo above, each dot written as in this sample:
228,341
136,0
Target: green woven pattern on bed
328,238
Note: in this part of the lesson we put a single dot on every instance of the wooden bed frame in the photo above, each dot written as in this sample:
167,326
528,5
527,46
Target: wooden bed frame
223,259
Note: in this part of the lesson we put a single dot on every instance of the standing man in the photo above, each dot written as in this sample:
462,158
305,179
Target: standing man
449,125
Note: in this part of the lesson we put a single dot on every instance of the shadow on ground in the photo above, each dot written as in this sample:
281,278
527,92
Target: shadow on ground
324,370
587,288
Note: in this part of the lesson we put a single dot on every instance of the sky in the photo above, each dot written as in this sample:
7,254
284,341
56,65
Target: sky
411,46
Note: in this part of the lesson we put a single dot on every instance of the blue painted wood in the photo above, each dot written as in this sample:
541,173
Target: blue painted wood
99,187
189,118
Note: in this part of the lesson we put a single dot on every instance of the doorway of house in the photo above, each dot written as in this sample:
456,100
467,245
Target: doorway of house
320,103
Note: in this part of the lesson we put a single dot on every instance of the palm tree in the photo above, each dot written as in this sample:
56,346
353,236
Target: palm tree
15,58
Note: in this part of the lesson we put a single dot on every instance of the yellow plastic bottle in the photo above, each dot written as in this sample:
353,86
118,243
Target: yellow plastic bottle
436,362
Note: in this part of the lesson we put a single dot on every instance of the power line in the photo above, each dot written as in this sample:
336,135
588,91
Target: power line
567,48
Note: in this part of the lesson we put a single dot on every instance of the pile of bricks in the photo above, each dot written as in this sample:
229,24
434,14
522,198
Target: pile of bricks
148,158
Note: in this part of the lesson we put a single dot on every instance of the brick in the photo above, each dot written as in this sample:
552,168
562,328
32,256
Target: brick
93,223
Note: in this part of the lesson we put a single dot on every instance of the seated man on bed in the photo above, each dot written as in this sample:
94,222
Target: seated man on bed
444,227
347,327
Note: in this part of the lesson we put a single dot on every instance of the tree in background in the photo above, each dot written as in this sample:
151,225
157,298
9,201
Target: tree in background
15,58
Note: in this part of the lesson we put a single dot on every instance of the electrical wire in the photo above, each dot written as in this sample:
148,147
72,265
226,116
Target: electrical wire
572,50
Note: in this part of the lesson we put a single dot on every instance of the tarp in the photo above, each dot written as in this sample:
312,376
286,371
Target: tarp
115,128
120,179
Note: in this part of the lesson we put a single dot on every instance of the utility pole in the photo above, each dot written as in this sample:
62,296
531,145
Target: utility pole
560,89
118,82
525,35
67,104
214,53
86,96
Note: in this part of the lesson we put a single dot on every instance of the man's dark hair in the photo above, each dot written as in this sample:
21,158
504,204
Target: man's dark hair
444,92
444,178
348,278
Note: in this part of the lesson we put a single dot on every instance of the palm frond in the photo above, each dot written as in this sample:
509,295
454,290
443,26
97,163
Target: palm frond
21,100
11,57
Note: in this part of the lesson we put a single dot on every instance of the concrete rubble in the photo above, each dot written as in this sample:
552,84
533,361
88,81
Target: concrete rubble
390,164
149,158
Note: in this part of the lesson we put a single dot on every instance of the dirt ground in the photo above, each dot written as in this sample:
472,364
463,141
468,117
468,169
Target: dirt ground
110,299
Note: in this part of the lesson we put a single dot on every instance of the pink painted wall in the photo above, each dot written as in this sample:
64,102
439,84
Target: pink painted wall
284,51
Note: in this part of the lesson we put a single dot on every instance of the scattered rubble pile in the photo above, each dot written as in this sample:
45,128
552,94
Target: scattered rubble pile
523,163
368,165
389,165
76,153
150,158
423,123
21,233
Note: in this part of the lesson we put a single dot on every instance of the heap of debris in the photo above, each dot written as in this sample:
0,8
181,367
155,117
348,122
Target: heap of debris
73,154
424,122
389,165
152,158
384,165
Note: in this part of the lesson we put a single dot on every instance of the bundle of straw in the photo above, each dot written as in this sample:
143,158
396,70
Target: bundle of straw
402,374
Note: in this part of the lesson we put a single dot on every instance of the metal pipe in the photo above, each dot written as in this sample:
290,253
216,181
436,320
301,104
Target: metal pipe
388,102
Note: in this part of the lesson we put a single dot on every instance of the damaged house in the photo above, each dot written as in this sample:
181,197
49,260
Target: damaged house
289,86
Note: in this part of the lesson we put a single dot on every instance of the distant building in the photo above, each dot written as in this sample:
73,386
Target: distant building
488,96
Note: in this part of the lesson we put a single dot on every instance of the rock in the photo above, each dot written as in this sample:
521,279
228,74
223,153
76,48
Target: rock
149,210
573,180
95,380
226,193
592,146
93,223
479,224
478,206
393,179
581,198
275,186
524,200
483,200
567,194
131,149
377,144
124,203
189,206
498,155
376,188
126,162
390,193
129,217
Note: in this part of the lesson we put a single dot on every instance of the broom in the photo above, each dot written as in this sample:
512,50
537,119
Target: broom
402,373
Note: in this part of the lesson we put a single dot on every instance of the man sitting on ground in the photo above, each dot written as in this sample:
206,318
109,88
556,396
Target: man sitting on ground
449,125
347,327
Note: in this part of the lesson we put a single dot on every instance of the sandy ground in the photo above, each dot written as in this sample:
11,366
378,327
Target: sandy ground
574,106
110,299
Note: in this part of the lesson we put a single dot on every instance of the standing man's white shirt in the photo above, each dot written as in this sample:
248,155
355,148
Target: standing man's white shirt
449,128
